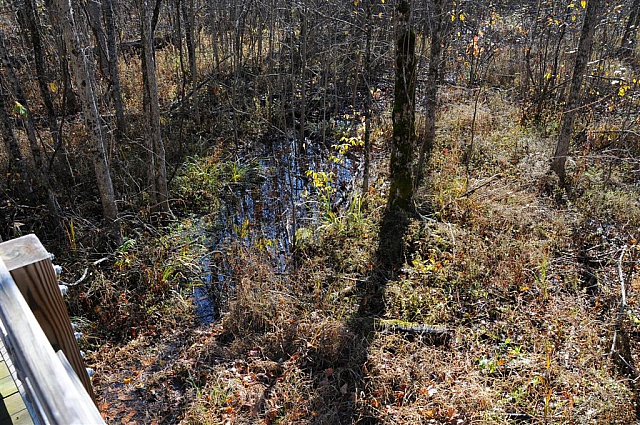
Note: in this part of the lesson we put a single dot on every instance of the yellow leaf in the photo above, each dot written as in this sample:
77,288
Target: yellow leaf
126,381
462,17
622,91
573,18
453,17
53,87
583,3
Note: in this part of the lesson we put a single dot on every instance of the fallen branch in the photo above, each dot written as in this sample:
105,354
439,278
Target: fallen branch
621,345
483,184
77,282
433,334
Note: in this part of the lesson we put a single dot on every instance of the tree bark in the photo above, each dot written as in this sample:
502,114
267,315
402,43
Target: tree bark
403,114
114,74
43,184
21,177
93,12
431,90
30,21
82,68
573,99
367,100
157,162
188,12
628,43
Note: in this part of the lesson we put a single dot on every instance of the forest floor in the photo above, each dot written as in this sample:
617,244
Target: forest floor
525,280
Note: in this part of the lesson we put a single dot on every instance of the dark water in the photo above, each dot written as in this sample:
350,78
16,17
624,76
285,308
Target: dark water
273,199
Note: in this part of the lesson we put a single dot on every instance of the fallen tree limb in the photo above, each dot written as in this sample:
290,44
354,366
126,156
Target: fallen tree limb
433,334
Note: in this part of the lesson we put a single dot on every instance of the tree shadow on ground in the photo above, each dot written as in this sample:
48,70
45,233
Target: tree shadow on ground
360,328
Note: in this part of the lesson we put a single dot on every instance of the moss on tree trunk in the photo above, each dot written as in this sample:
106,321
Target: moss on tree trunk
403,115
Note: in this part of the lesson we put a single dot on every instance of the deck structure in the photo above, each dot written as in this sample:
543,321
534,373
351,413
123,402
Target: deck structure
13,409
43,379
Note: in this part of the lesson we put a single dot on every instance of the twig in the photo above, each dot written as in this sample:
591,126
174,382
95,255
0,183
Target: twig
623,302
621,276
103,259
489,181
83,277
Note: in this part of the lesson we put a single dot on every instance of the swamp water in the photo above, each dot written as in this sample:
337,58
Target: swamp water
276,188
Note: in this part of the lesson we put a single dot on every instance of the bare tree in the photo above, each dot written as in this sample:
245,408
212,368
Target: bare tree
19,176
83,73
189,15
114,74
43,182
573,100
630,35
403,114
157,163
431,91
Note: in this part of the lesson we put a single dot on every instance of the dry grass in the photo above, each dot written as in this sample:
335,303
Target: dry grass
498,264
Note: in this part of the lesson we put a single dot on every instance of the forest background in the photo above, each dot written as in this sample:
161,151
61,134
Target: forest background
335,211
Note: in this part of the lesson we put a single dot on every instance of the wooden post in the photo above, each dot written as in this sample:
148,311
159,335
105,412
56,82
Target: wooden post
55,396
30,266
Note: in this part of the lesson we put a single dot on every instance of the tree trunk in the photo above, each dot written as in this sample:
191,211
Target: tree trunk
303,75
431,91
157,162
30,20
21,177
573,100
82,70
43,184
628,43
188,13
114,74
367,99
93,12
403,114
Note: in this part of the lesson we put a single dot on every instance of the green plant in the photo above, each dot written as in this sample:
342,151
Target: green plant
321,182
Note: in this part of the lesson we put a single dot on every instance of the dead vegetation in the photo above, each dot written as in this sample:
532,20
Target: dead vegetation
499,262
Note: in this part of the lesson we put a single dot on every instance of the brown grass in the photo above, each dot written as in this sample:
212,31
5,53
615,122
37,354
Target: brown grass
498,263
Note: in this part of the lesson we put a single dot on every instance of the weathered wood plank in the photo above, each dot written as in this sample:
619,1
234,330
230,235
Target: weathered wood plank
46,380
31,268
14,404
21,418
7,386
16,410
4,371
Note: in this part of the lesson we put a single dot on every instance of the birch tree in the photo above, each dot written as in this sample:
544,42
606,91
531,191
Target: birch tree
82,72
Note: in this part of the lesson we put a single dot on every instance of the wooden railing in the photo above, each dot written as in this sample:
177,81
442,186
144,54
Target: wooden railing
39,338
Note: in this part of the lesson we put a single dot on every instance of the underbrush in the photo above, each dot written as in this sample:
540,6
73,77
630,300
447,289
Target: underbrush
497,265
528,289
144,286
